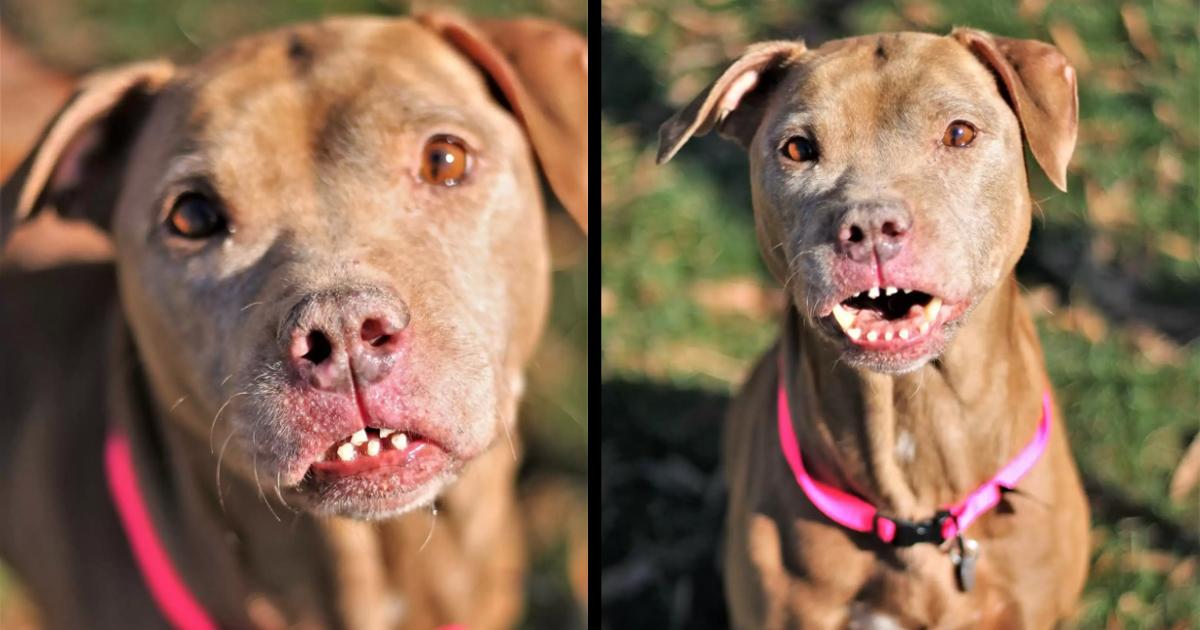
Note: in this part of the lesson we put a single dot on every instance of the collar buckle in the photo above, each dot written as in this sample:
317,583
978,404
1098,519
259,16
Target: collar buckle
909,533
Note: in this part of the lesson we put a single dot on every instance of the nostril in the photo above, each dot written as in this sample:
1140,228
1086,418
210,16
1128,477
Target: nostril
377,332
319,348
892,228
856,234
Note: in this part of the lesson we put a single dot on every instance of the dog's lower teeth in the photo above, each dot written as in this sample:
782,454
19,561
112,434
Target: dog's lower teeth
359,438
844,317
904,333
347,452
400,441
373,447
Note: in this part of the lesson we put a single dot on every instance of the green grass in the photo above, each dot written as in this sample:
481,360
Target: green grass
1131,410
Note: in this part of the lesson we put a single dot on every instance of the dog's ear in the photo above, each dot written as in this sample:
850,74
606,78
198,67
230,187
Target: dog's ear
76,164
733,103
1040,86
541,68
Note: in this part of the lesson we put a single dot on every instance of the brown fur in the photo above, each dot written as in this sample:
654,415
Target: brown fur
877,106
311,137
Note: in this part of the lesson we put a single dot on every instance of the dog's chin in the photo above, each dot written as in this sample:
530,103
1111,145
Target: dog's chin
371,501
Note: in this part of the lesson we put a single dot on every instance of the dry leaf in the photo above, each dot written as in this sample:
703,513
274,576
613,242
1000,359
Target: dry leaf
1176,246
1109,207
1183,573
1072,46
1154,346
1148,561
1168,170
740,296
1081,320
1031,10
922,13
608,302
1138,28
1041,300
1187,472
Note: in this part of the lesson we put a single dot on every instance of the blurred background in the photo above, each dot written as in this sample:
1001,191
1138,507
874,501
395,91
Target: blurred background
1112,277
46,44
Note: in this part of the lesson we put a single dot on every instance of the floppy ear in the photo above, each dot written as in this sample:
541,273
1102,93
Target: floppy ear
541,69
733,103
1040,87
76,165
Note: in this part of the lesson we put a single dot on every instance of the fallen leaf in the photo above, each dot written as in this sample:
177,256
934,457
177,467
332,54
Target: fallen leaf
1081,320
1148,561
922,13
1187,472
1109,207
1031,10
1154,347
1071,45
1183,573
608,302
1168,170
739,295
1138,28
1176,246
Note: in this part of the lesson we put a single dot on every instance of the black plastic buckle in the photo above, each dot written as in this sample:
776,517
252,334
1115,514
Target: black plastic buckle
909,533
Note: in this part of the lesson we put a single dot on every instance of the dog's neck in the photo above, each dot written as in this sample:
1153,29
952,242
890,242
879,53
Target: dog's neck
914,442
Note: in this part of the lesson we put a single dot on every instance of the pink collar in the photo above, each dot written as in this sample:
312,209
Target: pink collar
168,589
170,593
854,513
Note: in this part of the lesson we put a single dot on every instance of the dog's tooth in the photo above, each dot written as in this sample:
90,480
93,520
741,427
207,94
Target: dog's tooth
854,333
924,327
359,438
904,333
872,335
873,293
931,311
346,452
844,317
890,291
383,433
373,447
888,334
904,290
400,441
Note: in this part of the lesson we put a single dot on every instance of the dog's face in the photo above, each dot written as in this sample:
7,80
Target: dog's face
331,252
888,177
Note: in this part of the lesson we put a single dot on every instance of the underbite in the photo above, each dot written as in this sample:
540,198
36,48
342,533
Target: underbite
888,314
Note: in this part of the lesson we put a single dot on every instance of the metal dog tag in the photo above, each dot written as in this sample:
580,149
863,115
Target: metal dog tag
964,554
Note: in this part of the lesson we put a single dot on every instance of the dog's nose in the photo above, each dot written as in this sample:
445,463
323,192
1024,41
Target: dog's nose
876,228
330,337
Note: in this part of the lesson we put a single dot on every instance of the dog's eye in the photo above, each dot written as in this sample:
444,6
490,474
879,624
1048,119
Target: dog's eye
800,149
194,215
960,133
445,160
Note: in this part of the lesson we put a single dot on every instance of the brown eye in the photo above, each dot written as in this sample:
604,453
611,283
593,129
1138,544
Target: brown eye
445,160
800,149
960,133
195,216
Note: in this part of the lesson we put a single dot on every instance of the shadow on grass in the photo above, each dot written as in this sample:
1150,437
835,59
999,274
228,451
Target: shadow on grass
662,501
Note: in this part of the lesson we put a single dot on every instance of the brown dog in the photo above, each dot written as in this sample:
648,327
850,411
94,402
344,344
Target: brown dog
891,201
330,270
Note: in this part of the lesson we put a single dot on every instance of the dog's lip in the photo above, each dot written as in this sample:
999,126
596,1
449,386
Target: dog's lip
924,314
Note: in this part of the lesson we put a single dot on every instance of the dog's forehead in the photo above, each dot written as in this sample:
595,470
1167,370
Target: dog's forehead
890,67
337,57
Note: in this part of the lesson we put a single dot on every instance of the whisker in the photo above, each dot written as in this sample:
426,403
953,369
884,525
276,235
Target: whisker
257,483
248,306
432,523
220,496
218,415
177,403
